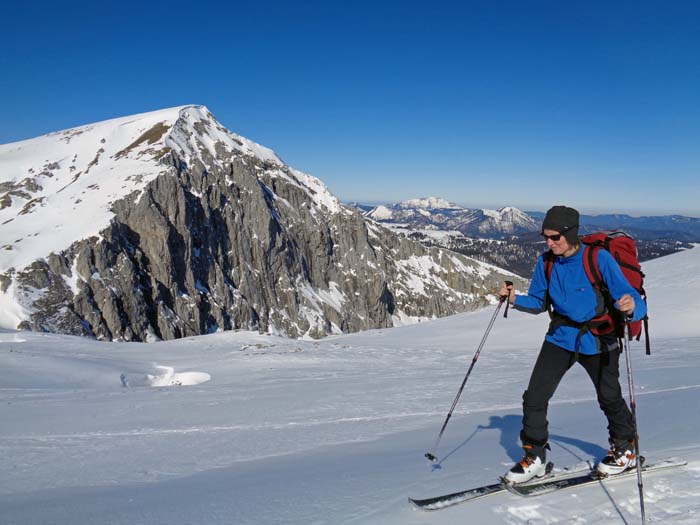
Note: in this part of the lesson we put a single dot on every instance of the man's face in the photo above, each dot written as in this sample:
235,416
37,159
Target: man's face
558,246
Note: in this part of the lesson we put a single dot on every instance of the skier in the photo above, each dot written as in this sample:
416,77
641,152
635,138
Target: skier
574,302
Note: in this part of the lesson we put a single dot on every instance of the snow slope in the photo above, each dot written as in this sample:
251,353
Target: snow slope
269,430
81,172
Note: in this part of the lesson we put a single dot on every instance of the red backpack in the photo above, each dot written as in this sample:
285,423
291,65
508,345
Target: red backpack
624,250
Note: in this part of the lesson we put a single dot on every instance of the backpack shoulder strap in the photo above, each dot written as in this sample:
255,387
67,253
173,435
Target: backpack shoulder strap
548,260
590,265
548,265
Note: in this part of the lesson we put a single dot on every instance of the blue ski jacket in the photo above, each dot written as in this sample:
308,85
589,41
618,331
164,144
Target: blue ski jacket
572,295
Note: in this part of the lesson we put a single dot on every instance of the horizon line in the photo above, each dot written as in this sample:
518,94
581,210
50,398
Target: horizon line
584,210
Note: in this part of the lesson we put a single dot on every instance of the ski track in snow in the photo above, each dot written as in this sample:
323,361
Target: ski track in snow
282,426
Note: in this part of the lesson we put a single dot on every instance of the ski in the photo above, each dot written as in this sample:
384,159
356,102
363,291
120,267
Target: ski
549,483
552,485
449,500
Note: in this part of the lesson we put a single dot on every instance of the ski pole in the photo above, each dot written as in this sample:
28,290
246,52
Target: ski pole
431,455
633,409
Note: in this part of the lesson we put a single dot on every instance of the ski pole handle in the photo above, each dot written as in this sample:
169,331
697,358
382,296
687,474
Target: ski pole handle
506,298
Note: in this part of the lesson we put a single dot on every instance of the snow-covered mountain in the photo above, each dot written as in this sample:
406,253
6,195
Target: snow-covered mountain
166,224
61,187
428,203
437,213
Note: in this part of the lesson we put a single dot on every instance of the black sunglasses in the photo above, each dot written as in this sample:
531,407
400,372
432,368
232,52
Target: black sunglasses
556,236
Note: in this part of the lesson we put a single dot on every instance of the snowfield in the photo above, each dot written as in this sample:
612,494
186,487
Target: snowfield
244,428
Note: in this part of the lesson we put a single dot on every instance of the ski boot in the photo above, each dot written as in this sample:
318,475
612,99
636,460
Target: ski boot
533,465
621,457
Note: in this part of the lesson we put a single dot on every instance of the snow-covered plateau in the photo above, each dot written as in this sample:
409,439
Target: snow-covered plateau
238,427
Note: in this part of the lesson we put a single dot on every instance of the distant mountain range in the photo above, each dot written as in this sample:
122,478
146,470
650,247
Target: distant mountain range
677,227
510,238
439,214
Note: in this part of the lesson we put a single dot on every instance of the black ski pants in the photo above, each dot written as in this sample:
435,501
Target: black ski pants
552,363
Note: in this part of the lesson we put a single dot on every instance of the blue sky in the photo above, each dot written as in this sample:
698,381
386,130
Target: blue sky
490,103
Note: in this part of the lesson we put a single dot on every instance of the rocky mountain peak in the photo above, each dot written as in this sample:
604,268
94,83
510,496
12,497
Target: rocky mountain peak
166,224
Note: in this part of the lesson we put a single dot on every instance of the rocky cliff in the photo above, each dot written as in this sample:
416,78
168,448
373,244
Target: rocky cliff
165,225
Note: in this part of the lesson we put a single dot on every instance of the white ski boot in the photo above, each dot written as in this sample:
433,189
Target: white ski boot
532,465
621,457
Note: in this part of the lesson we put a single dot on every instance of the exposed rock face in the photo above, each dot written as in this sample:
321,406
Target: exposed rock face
220,237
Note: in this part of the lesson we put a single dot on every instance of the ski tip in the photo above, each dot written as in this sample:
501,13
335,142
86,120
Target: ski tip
418,504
